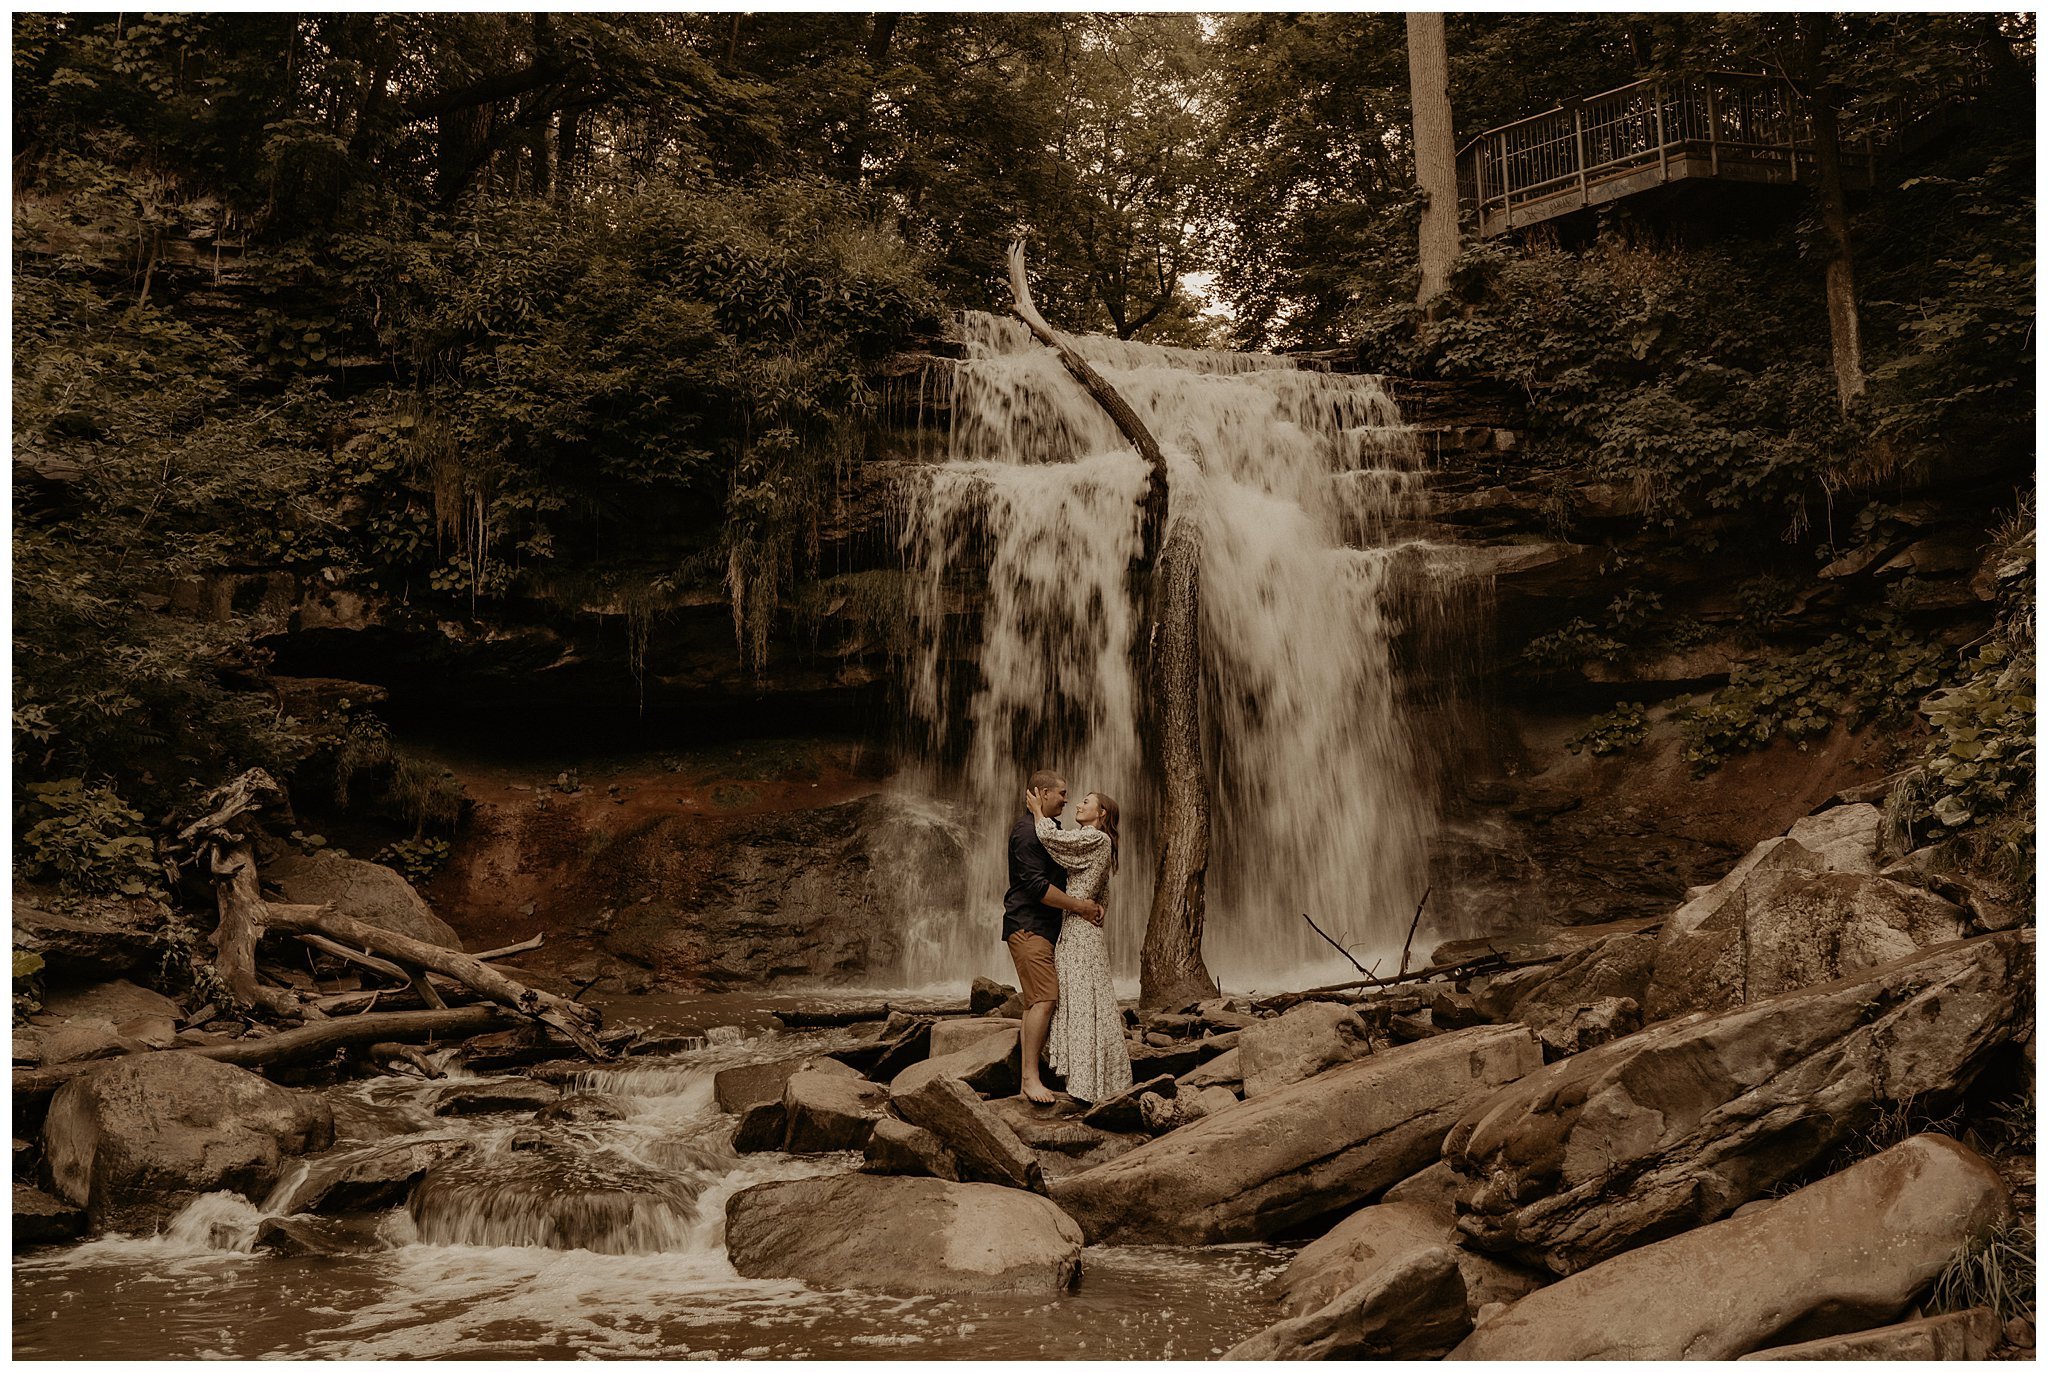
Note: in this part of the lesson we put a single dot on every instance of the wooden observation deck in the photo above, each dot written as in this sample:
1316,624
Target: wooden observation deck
1721,126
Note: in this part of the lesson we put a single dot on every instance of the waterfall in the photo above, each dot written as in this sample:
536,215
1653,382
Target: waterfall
1306,485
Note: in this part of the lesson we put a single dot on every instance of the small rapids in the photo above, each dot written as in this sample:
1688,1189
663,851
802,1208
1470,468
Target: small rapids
576,1238
1308,487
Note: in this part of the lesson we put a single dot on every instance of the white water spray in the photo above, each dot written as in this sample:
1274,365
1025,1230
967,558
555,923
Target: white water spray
1302,481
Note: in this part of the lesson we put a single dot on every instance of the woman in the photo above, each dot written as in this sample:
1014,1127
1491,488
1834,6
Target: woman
1086,1042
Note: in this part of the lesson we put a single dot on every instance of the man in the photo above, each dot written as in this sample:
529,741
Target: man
1031,923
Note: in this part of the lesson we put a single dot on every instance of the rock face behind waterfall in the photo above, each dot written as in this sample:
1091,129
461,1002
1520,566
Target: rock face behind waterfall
1301,1151
1686,1120
1846,1253
132,1140
913,1236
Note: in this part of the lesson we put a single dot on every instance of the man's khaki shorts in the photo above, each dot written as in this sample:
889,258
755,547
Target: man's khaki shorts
1032,953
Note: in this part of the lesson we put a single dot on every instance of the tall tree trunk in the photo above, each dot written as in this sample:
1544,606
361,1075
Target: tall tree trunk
1844,325
1170,967
567,148
1436,156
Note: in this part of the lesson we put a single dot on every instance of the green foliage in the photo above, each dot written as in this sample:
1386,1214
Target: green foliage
1621,728
1632,622
373,774
1873,670
418,859
84,836
28,986
1996,1271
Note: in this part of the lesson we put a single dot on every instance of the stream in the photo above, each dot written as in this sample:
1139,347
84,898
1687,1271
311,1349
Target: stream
607,1243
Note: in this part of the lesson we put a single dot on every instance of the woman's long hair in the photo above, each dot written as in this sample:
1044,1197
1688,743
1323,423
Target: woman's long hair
1108,823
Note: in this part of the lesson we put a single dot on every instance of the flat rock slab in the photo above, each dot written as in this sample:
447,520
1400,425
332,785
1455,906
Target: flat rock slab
109,1001
951,1036
1684,1121
989,1065
494,1095
826,1110
1314,1036
751,1084
1971,1334
911,1236
1320,1145
1845,1253
1414,1308
1224,1070
40,1218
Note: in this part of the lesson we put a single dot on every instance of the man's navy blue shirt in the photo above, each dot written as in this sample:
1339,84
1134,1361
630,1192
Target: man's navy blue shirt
1032,870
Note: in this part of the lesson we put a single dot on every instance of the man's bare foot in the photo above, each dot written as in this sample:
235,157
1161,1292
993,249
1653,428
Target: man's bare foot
1037,1094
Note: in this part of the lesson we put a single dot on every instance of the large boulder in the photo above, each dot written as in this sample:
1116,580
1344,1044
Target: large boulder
899,1149
1314,1036
1321,1145
1414,1308
370,892
1684,1121
1374,1238
113,1002
1788,919
1971,1334
360,1179
136,1137
1850,1251
824,1110
1843,837
991,1064
903,1235
751,1084
1616,967
561,1195
91,936
984,1147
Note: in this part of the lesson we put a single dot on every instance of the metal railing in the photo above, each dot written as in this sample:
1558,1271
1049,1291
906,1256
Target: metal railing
1738,127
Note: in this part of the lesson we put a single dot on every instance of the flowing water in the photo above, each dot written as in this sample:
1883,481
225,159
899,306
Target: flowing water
1305,485
606,1241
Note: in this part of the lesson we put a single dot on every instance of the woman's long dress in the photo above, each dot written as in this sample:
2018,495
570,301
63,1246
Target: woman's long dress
1085,1044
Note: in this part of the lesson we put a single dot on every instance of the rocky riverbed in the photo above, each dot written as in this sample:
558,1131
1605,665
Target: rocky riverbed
1803,1098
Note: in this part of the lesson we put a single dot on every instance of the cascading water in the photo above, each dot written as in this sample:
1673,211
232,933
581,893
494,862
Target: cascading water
1303,482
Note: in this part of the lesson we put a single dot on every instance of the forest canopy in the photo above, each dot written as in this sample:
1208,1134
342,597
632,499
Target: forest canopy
447,300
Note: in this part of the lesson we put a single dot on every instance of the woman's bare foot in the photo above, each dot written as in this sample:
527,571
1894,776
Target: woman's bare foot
1037,1094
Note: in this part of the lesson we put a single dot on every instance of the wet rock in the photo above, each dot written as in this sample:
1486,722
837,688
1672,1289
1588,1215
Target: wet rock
1617,967
493,1095
370,892
1454,1010
362,1180
1435,1185
951,1036
911,1236
136,1137
316,1236
40,1218
1120,1112
827,1110
92,936
514,1048
1372,1239
989,1065
761,1129
1414,1308
893,1051
1301,1151
24,1160
1845,1253
1224,1070
749,1085
582,1108
1312,1037
559,1196
984,994
1698,959
1844,838
986,1149
1971,1334
112,1002
1684,1121
899,1149
666,1042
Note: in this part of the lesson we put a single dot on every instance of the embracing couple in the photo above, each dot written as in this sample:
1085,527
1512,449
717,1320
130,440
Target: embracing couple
1052,922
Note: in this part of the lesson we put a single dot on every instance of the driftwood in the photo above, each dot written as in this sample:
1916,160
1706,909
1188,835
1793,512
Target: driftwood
1170,969
571,1019
293,1046
521,947
1410,940
1357,991
224,838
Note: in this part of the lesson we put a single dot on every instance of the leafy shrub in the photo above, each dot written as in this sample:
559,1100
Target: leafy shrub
1997,1271
87,838
28,987
418,859
1621,728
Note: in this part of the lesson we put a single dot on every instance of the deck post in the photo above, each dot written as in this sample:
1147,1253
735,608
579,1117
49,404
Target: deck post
1657,95
1479,181
1579,147
1713,132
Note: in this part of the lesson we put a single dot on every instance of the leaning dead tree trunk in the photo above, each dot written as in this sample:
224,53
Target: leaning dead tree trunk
225,837
1170,969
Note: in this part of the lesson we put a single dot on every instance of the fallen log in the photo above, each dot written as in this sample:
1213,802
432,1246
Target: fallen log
521,947
293,1046
571,1019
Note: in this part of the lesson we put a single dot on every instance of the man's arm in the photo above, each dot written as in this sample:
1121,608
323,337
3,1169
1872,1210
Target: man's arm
1038,882
1090,911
